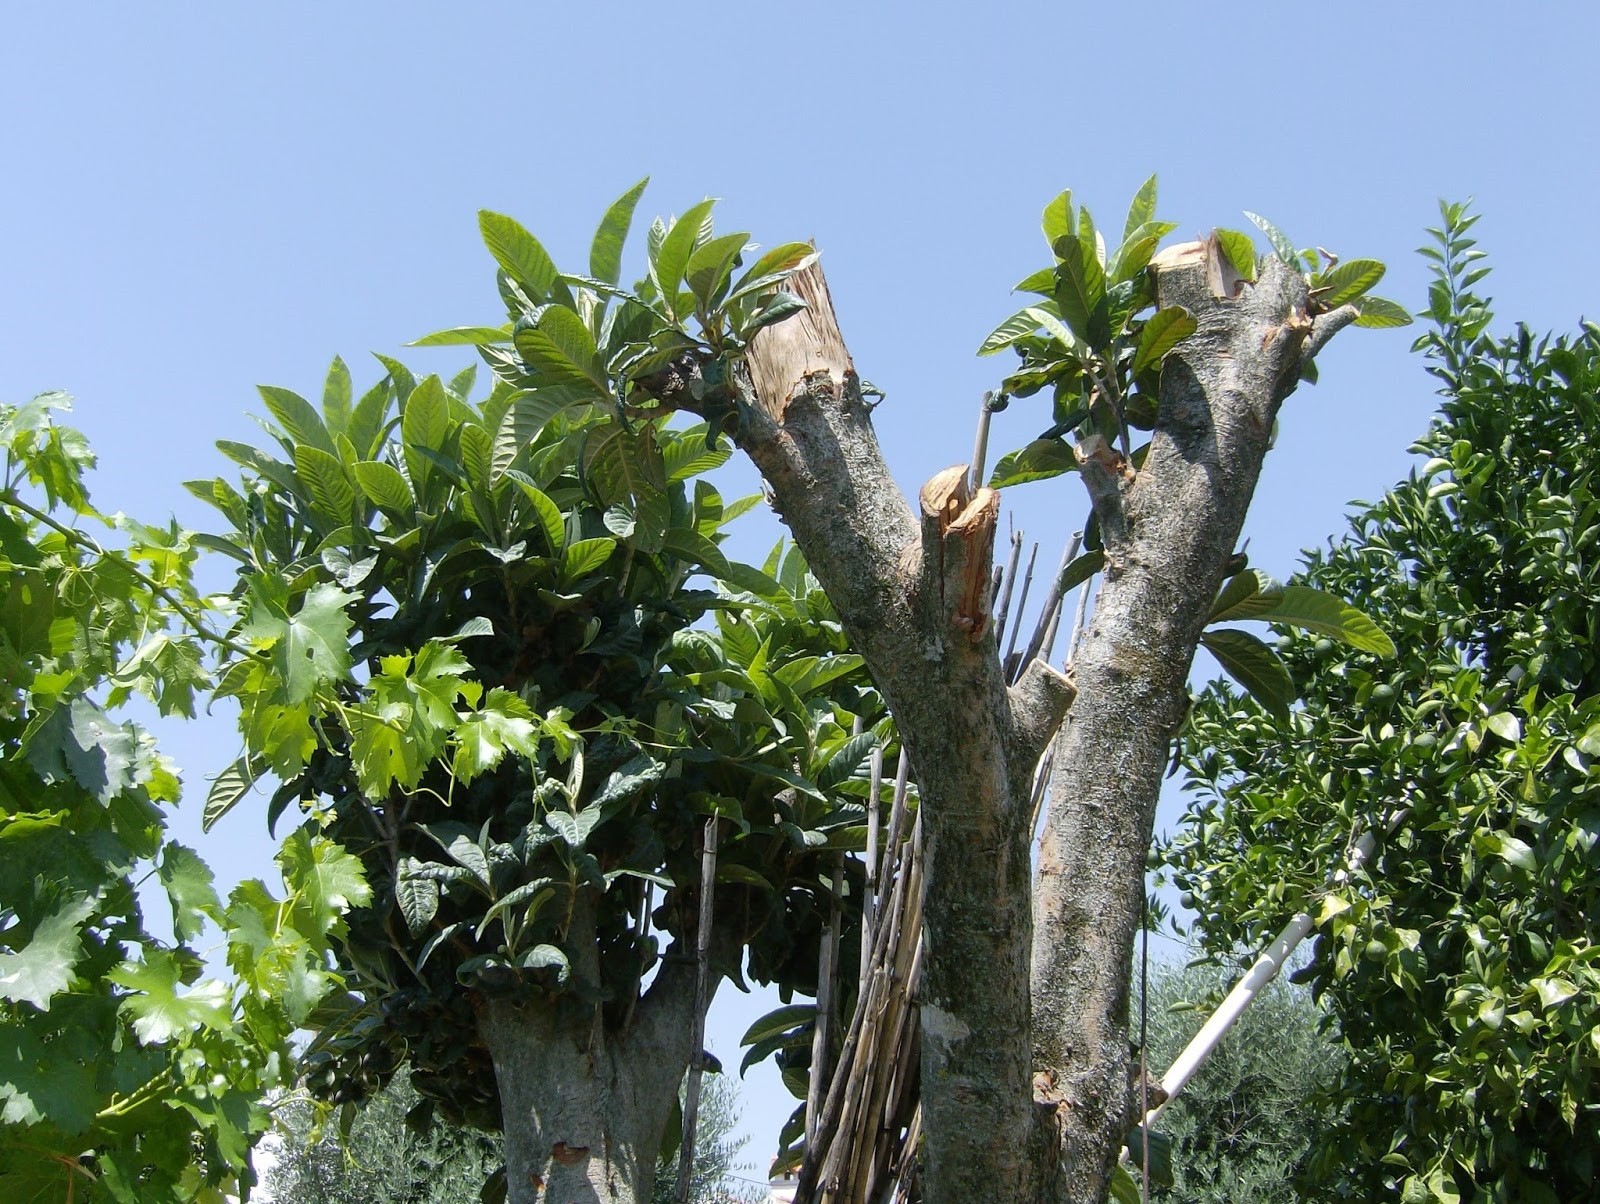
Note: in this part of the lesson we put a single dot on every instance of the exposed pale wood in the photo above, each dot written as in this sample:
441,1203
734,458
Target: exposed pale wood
809,344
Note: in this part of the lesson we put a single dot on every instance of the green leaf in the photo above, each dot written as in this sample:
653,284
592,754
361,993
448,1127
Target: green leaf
697,549
1056,220
769,271
465,336
710,267
231,785
1082,568
574,829
1142,210
780,306
849,757
424,427
605,255
1239,590
324,881
417,895
551,521
295,415
324,477
1164,331
1239,250
1347,281
1038,461
386,488
1379,313
673,258
1505,725
1280,244
519,253
159,1013
336,394
780,1020
1254,666
1019,325
585,556
310,647
504,724
43,968
1313,610
1081,284
1554,991
189,886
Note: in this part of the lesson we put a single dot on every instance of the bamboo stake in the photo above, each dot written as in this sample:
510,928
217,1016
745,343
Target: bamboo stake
697,1063
1003,607
869,898
980,445
827,974
1052,605
1022,603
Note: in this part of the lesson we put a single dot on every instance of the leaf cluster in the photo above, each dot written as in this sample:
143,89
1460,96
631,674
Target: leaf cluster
1462,962
472,646
124,1074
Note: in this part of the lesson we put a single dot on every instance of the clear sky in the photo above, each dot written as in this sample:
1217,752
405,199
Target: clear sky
198,199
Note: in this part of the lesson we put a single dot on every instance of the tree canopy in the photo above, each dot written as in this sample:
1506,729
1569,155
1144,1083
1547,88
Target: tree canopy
1461,961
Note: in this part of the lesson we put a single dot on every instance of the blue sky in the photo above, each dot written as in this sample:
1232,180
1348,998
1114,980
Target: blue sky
197,200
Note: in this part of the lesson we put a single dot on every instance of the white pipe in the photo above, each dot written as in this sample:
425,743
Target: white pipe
1263,972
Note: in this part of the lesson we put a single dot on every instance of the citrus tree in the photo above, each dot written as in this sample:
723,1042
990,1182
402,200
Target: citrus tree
1461,961
125,1072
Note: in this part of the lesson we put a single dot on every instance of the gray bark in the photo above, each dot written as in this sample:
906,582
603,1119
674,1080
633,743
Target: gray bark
1026,1079
1169,531
912,591
585,1106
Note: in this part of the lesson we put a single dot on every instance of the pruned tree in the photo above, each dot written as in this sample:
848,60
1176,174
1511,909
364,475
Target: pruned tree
1026,1072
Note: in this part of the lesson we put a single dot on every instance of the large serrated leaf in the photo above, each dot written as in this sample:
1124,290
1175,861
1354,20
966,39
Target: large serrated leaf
325,480
1018,325
696,548
605,254
672,260
1057,218
528,413
296,416
1254,666
1346,281
1142,209
1280,243
1232,602
1038,461
1240,251
1380,313
1313,610
1080,284
465,336
386,488
517,251
424,427
1164,331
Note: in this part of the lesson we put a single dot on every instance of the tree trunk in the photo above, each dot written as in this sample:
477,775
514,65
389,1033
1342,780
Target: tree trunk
1169,531
913,594
584,1106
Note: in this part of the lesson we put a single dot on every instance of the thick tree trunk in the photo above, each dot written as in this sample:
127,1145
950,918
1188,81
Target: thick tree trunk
1169,530
585,1107
913,592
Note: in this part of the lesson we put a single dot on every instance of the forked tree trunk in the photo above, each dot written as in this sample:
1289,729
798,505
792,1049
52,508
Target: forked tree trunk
912,590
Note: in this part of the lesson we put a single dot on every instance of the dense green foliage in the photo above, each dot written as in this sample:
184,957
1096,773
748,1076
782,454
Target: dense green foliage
1462,963
123,1074
1242,1129
471,658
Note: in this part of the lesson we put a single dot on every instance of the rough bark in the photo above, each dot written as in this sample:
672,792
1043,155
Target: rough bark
1169,531
585,1105
912,592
